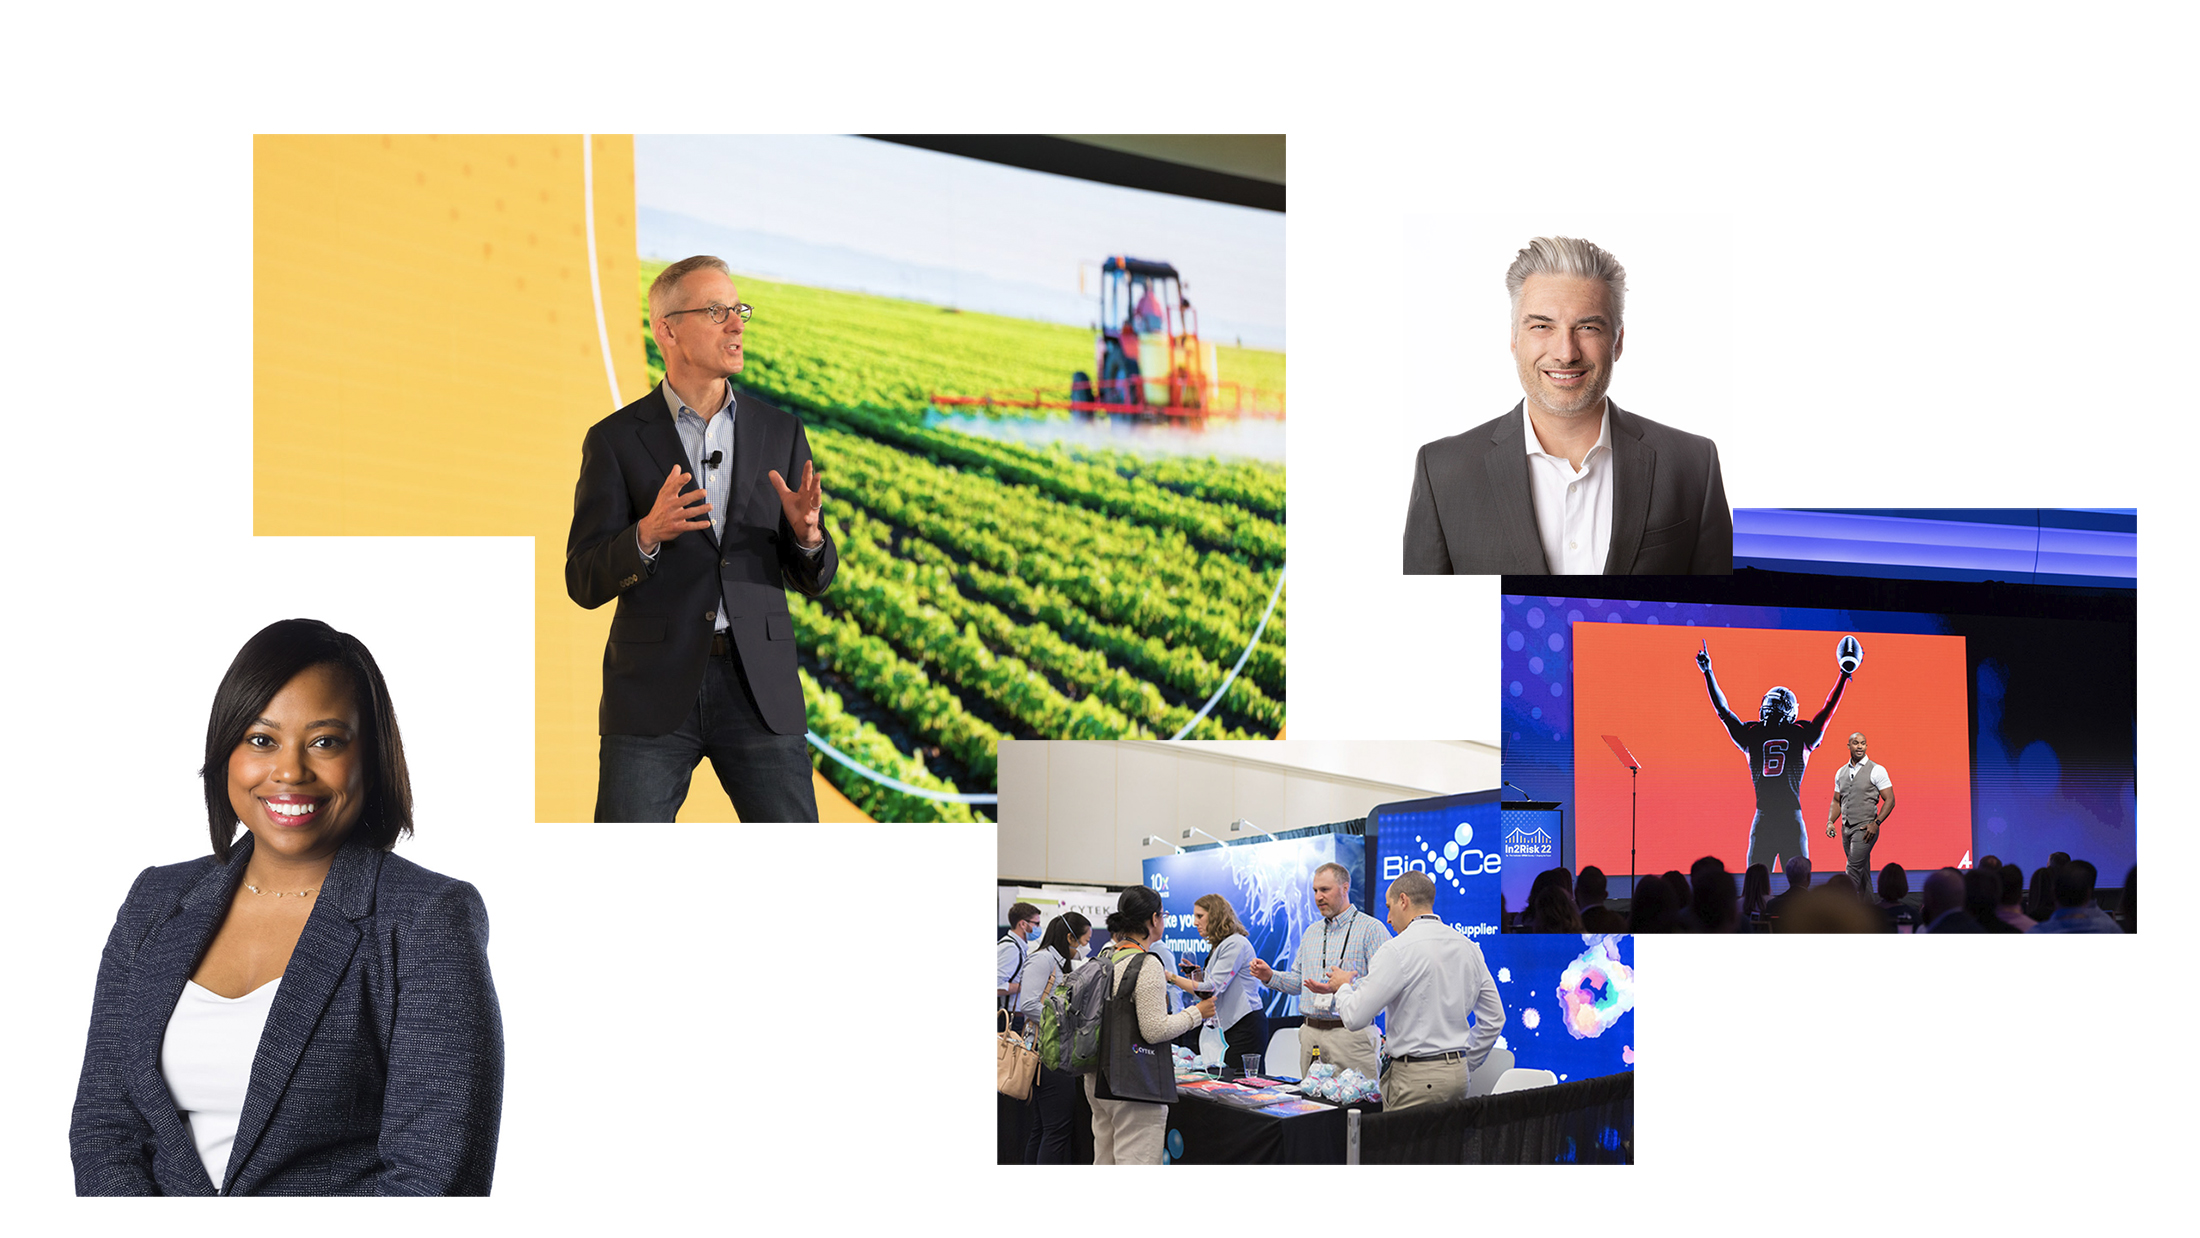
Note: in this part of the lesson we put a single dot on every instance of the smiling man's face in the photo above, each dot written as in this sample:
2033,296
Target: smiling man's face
1565,340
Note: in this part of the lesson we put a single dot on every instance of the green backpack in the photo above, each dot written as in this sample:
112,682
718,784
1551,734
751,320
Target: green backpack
1069,1018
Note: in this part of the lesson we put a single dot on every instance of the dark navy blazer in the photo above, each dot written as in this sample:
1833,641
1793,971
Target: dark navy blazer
380,1070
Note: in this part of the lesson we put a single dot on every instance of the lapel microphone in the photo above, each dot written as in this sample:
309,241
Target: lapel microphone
711,461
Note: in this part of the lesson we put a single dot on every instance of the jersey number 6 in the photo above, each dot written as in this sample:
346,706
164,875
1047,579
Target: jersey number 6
1775,757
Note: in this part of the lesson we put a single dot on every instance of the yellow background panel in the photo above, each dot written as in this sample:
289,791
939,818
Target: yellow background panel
425,349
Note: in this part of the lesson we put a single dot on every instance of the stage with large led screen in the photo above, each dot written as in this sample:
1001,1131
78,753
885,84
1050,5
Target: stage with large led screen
2002,712
1693,795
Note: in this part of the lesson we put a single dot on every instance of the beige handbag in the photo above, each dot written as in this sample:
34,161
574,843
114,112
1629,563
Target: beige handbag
1015,1062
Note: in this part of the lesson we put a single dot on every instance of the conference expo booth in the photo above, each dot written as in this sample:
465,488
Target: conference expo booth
1559,1088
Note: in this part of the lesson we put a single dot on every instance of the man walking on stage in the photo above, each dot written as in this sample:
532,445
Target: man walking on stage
1345,938
1863,799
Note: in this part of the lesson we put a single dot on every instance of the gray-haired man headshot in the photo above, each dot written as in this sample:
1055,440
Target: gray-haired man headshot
1568,482
1346,937
701,656
1445,1011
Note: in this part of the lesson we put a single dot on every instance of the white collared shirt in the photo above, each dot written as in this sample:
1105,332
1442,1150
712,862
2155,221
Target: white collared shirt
1430,978
1573,509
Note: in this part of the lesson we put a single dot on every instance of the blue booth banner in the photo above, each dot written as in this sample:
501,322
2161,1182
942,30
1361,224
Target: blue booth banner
1458,840
1269,883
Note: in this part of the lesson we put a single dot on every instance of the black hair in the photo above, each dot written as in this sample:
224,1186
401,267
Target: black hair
277,654
1711,895
1066,929
1133,911
1651,908
1894,883
1756,889
2074,884
1591,881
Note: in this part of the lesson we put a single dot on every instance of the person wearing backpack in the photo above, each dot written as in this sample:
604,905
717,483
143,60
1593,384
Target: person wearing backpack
1054,1093
1136,1081
1011,953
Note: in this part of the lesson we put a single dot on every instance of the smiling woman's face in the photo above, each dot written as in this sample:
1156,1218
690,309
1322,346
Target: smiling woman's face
297,779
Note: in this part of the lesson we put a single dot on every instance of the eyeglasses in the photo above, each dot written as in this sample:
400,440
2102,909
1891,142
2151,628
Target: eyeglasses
716,311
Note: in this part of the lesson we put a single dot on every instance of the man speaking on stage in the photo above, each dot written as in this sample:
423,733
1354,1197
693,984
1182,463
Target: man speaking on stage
701,656
1568,482
1863,799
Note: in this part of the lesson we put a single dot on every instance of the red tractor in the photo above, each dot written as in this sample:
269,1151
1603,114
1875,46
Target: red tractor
1149,354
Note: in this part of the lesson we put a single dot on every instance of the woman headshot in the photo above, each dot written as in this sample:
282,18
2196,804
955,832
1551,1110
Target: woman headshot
1238,1008
300,1012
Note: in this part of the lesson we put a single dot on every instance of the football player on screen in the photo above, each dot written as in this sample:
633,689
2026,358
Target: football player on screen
1778,747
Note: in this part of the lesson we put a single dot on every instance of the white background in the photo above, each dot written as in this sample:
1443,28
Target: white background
1960,236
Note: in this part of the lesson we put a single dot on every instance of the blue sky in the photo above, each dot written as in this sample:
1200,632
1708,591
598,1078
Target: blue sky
849,212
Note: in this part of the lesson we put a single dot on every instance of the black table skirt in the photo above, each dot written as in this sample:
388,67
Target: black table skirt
1210,1132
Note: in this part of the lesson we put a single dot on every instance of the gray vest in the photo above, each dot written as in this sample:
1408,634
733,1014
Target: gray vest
1860,803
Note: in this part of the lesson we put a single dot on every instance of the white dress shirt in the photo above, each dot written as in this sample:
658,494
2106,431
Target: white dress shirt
1573,508
1845,775
1430,978
1009,956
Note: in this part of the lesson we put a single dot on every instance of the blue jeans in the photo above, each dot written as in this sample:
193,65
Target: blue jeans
766,775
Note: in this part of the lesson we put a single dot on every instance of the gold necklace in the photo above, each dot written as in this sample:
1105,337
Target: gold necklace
279,893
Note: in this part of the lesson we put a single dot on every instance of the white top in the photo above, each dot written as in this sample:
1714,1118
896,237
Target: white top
206,1059
1573,509
1429,977
1846,774
1228,974
1008,962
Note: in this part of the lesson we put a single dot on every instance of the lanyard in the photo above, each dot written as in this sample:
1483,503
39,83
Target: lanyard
1342,950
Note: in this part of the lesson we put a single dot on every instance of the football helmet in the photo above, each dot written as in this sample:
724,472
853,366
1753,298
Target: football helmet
1779,706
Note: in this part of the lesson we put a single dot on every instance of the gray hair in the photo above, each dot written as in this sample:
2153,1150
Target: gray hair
1417,888
669,278
1565,255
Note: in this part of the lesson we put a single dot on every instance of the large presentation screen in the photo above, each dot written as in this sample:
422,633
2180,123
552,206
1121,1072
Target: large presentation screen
1269,885
1698,791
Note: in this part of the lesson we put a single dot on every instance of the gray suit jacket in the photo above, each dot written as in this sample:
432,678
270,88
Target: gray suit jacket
1472,514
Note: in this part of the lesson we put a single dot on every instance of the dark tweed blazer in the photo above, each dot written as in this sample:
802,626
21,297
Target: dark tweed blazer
1471,511
381,1068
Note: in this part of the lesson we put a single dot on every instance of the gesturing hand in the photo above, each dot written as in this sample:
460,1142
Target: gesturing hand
1262,971
1703,658
801,505
673,513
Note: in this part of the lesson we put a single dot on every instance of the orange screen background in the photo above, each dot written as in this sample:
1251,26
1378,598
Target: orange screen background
1641,684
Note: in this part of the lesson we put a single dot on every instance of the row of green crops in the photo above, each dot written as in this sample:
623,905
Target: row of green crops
992,589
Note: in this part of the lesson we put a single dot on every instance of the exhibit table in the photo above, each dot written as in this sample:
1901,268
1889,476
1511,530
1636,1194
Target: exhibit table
1206,1130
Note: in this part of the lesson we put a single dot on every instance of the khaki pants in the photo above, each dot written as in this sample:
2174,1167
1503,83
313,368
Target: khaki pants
1341,1047
1407,1084
1125,1132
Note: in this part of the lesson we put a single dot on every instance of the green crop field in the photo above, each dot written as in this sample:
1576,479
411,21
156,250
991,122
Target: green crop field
992,590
